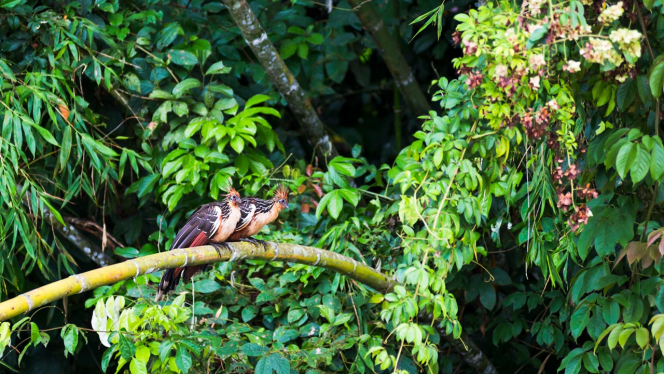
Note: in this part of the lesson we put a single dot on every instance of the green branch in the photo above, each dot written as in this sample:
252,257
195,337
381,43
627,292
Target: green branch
283,252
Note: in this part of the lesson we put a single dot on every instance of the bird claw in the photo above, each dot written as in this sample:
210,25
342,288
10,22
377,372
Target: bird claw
218,247
251,240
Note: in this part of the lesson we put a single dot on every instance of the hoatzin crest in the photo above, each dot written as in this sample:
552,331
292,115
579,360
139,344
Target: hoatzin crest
210,223
257,213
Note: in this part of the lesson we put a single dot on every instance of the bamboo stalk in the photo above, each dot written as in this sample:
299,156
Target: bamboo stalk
283,252
281,77
391,53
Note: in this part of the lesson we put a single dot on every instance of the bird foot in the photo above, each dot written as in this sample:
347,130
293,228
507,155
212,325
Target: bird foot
255,241
218,247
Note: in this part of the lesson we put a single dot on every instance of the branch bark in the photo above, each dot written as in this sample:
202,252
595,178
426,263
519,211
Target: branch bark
391,53
281,77
70,232
79,240
194,256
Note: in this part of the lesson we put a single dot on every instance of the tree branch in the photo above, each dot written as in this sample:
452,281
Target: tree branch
194,256
75,284
281,77
89,248
391,53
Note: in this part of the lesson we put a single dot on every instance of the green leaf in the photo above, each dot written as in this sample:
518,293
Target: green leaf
137,367
657,161
182,58
272,363
35,337
184,86
295,315
253,350
288,49
656,78
126,252
596,325
335,205
168,34
625,158
601,336
218,68
237,143
624,335
536,35
44,133
106,358
351,195
605,359
643,88
626,94
262,367
614,335
182,359
6,70
611,311
640,165
127,348
579,320
642,337
206,286
69,334
283,335
303,50
590,362
487,295
279,363
249,313
180,108
255,100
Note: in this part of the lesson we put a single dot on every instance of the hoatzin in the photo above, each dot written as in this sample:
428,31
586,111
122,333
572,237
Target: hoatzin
210,223
257,213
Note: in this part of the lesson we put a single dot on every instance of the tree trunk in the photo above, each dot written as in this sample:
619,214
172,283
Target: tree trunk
281,77
391,53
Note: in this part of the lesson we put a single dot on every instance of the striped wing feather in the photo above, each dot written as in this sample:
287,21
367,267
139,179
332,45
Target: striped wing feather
197,231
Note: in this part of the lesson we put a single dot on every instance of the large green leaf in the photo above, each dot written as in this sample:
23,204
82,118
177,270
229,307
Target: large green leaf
656,78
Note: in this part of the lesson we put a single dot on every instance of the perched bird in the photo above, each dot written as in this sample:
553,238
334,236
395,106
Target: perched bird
210,223
257,213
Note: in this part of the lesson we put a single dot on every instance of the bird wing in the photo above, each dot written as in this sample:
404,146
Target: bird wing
199,228
197,231
247,210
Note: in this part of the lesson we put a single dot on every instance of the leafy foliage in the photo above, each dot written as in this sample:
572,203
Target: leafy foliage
525,213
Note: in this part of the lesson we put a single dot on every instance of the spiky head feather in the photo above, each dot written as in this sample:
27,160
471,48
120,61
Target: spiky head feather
281,192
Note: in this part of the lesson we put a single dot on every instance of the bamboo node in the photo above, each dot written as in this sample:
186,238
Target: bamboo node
29,300
138,268
186,257
317,258
81,280
235,253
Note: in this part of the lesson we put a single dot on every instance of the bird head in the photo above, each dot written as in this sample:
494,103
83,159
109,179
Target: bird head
233,198
281,196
